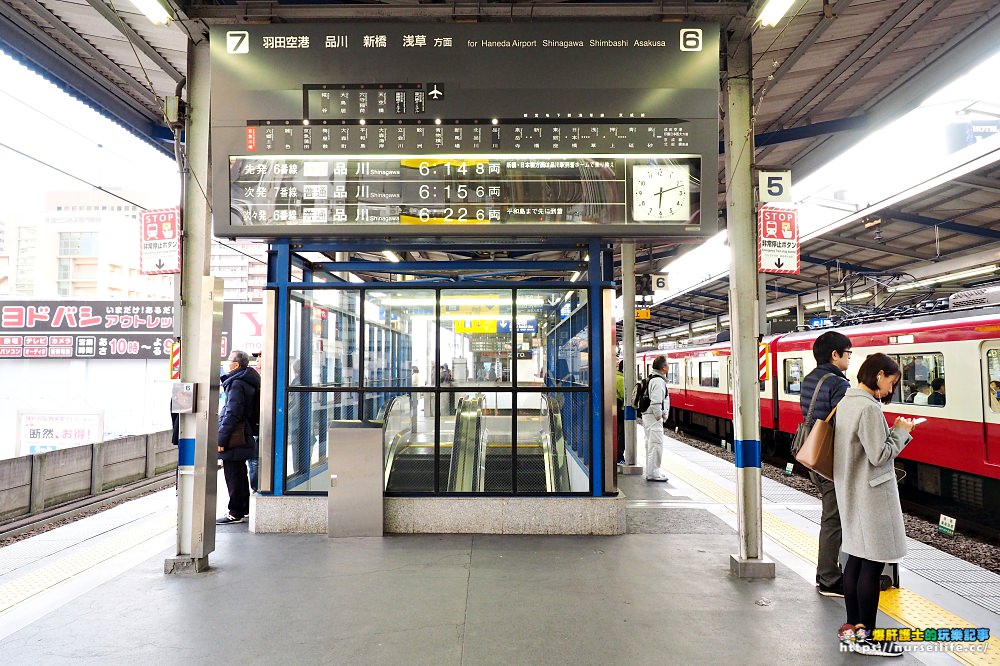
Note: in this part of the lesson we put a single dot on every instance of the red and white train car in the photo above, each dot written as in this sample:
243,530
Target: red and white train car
956,453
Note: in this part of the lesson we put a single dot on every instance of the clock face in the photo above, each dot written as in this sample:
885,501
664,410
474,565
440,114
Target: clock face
661,192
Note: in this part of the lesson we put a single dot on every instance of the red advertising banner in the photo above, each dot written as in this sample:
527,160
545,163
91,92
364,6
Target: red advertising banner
86,329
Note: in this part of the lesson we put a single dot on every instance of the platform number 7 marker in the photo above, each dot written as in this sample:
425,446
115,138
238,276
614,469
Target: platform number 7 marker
237,41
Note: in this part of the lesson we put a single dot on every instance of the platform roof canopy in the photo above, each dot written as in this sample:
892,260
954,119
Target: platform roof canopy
827,73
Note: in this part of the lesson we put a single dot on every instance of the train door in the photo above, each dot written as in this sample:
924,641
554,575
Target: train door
991,399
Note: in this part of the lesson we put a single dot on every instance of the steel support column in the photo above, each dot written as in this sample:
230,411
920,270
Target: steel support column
201,324
744,306
628,347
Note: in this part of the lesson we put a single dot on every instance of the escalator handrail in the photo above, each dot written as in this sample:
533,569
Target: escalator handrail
556,469
464,474
398,441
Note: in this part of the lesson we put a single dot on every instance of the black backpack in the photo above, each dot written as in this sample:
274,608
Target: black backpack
640,396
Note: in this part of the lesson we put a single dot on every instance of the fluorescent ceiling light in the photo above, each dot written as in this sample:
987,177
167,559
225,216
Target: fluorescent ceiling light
153,10
706,327
960,275
860,297
818,305
773,12
779,313
575,276
521,318
391,256
679,334
445,300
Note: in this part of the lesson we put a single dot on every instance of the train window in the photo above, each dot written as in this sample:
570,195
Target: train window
993,369
922,381
708,373
673,373
793,375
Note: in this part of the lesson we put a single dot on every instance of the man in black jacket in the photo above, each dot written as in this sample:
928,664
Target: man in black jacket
832,352
238,422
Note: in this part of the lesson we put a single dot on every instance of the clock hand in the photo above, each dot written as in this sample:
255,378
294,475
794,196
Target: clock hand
662,192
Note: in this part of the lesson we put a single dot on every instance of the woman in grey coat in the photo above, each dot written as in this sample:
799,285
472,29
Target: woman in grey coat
870,515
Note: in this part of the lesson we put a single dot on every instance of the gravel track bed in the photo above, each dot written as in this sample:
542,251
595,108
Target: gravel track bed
969,548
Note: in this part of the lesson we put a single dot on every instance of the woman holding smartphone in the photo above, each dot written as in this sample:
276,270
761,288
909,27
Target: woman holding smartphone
865,448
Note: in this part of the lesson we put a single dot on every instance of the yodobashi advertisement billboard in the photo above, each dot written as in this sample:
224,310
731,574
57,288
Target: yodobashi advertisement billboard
86,329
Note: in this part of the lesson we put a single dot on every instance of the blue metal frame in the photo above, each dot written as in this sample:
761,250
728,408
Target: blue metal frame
283,255
280,279
596,369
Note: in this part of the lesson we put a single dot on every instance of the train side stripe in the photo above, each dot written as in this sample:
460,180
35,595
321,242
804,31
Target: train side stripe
905,606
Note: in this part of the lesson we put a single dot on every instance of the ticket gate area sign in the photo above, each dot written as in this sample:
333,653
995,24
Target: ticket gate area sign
778,240
362,130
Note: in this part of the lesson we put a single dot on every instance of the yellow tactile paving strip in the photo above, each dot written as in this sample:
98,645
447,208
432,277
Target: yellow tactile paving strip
906,607
35,582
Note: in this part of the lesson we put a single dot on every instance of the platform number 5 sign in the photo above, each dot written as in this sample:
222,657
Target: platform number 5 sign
774,186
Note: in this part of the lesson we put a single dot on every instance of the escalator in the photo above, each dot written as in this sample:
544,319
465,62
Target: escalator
409,453
478,458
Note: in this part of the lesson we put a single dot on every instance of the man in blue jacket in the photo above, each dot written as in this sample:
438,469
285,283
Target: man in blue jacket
238,425
832,352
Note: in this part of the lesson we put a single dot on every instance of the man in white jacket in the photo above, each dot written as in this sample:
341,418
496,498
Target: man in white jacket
653,419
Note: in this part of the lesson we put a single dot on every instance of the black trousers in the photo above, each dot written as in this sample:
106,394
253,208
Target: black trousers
238,484
828,564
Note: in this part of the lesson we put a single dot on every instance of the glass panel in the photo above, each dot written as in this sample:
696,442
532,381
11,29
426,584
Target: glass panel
562,338
549,432
793,375
401,324
407,442
674,373
922,381
475,337
310,415
708,373
993,368
322,339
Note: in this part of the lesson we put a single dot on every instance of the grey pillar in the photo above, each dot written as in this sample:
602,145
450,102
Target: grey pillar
744,311
201,317
628,351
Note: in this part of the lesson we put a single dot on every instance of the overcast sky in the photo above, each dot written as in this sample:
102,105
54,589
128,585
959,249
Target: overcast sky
42,121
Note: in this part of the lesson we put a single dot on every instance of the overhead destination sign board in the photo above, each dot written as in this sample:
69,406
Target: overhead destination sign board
557,130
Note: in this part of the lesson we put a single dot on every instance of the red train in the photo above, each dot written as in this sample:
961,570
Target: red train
955,454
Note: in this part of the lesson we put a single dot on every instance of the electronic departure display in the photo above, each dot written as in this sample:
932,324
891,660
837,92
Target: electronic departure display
547,130
421,190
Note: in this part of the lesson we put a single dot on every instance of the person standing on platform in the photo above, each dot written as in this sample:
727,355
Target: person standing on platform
620,406
832,352
237,428
653,419
864,451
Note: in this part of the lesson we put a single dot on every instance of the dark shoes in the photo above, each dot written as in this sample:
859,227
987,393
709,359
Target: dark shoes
832,590
229,519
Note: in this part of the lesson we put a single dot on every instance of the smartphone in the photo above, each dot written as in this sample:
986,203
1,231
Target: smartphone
919,421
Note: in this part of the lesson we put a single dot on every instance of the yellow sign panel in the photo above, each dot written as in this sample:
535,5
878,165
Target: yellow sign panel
643,313
476,326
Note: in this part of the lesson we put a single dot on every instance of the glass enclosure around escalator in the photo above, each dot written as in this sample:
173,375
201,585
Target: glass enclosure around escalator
475,390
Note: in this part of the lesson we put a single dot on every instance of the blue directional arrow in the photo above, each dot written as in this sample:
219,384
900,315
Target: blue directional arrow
503,326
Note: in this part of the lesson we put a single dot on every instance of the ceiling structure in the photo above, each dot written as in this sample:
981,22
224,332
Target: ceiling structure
825,75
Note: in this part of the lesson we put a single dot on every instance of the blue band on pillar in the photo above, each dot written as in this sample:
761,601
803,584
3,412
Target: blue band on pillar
629,413
747,452
185,453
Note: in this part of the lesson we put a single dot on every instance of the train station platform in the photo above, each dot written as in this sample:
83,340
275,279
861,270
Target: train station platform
661,593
